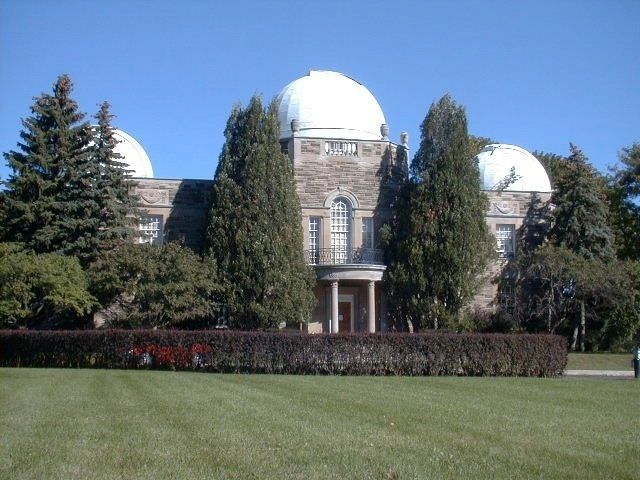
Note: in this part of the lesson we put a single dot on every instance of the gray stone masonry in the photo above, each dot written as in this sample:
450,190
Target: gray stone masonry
183,204
504,208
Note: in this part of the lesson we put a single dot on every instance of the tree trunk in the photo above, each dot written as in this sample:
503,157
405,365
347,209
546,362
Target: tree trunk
574,338
583,327
549,310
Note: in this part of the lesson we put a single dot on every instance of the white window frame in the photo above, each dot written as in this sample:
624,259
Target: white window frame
340,215
368,237
315,237
150,229
505,240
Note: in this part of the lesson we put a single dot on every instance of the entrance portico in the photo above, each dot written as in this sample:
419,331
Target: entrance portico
351,291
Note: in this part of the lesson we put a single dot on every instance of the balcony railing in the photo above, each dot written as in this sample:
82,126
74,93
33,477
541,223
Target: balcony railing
341,256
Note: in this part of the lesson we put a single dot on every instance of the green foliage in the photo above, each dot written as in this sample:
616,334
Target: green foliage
255,229
554,164
148,286
53,147
624,197
116,217
66,193
440,242
580,214
476,144
42,290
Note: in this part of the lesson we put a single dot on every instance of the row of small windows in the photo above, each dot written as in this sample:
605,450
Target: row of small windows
151,231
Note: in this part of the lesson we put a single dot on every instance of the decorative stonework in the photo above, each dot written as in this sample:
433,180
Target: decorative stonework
154,197
504,208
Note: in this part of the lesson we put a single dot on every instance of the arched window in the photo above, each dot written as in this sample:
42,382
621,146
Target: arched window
340,230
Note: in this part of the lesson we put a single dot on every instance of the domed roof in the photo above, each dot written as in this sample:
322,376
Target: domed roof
329,105
495,163
133,155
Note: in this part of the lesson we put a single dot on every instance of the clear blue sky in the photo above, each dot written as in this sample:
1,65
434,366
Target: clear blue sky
538,74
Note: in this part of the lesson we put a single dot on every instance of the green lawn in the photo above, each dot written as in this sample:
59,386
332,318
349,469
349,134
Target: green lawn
600,361
97,424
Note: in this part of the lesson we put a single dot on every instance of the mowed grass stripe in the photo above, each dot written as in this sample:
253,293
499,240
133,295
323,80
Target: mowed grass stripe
139,424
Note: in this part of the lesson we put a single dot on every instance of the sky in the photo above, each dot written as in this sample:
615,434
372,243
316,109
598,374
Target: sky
538,74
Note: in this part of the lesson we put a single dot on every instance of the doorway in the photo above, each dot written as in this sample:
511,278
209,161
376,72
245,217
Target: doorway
345,313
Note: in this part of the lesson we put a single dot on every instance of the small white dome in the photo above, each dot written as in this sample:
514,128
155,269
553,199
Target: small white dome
329,105
133,155
495,163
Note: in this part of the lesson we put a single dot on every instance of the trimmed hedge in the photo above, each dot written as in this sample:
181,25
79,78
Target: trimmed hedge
291,353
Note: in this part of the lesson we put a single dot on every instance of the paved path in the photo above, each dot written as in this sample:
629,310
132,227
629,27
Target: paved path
599,373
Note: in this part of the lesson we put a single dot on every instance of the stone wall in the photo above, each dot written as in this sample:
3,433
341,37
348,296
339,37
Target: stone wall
504,208
369,173
183,205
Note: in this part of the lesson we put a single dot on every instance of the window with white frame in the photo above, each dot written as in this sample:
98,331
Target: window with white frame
367,232
505,240
340,229
314,238
150,229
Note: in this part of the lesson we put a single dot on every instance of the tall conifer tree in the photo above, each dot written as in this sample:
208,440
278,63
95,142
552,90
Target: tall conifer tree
580,215
441,243
624,193
255,229
54,145
67,194
118,212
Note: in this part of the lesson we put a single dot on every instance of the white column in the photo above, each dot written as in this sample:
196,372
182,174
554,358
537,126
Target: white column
371,312
334,306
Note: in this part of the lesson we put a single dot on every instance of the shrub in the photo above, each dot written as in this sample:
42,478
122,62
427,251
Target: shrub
42,290
261,352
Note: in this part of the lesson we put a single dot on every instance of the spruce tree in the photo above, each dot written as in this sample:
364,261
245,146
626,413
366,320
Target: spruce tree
67,193
54,145
117,213
580,214
255,229
623,194
440,242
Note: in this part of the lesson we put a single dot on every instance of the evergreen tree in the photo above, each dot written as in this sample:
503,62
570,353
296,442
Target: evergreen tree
440,241
53,150
67,194
255,228
554,164
624,193
580,214
117,213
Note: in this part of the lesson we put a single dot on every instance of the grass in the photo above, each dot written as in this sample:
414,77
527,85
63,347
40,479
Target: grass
600,361
99,424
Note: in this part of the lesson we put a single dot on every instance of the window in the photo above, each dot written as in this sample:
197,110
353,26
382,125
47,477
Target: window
314,239
505,240
367,232
151,229
506,296
340,230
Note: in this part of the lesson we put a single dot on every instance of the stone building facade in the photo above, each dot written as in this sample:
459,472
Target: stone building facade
347,173
173,210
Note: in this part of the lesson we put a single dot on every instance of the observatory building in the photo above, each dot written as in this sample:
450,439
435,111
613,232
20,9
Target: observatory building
347,171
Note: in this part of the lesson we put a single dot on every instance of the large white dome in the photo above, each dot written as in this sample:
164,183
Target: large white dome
495,163
133,155
329,105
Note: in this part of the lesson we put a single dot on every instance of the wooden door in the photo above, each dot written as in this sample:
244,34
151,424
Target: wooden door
344,316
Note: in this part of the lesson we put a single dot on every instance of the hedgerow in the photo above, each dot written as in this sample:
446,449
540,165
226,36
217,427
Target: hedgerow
290,353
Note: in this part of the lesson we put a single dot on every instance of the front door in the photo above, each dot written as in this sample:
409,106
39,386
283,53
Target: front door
344,316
